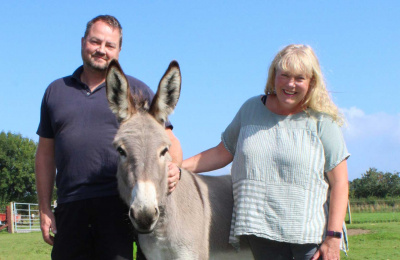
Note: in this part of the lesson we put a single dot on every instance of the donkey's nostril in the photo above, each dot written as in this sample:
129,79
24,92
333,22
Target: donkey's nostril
131,213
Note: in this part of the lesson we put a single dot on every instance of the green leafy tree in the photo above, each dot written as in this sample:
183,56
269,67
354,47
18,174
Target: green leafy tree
374,183
393,184
17,168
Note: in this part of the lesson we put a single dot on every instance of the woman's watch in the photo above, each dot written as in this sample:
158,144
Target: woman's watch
334,234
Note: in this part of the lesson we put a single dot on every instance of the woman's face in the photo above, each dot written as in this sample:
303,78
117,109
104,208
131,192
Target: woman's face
291,90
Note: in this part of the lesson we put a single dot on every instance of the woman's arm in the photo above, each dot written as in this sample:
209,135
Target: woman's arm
209,160
339,186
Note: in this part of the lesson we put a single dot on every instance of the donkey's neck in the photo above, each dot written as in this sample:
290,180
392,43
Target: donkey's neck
188,200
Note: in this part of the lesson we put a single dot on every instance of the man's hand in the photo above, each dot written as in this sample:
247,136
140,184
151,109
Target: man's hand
173,176
47,224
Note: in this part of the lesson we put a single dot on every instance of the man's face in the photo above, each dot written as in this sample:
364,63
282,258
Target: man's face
100,46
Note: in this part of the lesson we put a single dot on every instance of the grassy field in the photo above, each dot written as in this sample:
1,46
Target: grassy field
29,246
382,242
377,217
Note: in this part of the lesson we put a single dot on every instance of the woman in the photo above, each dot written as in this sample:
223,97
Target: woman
289,170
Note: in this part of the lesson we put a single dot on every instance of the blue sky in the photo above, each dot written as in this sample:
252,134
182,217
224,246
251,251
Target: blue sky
224,49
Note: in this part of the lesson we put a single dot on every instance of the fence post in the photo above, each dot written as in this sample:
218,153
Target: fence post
10,218
30,216
348,209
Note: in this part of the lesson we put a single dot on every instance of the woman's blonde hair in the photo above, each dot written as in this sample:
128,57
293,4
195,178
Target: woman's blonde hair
301,59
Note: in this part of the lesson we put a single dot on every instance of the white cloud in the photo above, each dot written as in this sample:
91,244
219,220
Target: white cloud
378,125
373,141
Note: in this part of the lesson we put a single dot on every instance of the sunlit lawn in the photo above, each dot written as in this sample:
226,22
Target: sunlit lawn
29,246
383,239
381,243
359,218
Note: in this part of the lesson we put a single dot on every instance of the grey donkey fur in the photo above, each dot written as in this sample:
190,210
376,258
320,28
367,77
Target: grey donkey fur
193,222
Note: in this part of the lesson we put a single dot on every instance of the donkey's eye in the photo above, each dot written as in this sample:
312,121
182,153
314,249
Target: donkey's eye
121,151
164,151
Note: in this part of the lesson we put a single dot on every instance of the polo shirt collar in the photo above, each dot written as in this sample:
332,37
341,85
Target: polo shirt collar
77,76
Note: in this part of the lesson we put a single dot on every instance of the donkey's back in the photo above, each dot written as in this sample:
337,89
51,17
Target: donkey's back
219,190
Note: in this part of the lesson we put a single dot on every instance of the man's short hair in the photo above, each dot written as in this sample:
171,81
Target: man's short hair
108,19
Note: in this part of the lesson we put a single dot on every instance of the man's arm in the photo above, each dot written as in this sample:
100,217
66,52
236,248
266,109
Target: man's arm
176,153
45,171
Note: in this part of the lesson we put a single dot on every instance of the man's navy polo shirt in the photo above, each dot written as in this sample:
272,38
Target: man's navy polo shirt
83,128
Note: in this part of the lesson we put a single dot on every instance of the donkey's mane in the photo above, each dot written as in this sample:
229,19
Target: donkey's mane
140,100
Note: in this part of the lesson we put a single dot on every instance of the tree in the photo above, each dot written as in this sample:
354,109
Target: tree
17,168
374,183
393,183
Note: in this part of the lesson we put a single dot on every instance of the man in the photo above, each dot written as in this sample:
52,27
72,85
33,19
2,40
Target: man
75,138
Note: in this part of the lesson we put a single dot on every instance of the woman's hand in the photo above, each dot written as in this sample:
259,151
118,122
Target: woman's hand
173,176
329,250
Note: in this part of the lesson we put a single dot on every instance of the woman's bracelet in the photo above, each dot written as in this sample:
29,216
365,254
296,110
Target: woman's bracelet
334,234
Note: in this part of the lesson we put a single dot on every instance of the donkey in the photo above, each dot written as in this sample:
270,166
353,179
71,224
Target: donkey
193,222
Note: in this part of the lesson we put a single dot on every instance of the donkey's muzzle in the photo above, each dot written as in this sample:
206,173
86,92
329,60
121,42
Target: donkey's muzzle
144,220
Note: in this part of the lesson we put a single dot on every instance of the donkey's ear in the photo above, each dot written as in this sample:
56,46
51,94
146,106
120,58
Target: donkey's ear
118,94
167,95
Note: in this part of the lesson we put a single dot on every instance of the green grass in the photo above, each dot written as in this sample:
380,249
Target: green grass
381,243
383,239
29,246
377,217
